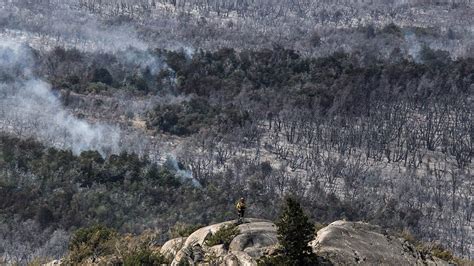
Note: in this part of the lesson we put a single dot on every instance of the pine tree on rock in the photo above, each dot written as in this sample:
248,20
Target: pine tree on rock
295,231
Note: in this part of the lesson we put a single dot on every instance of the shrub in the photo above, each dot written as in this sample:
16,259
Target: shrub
277,260
102,75
183,119
44,216
96,87
408,236
393,29
442,253
33,262
91,242
182,230
318,226
224,235
183,262
424,249
138,82
315,39
143,256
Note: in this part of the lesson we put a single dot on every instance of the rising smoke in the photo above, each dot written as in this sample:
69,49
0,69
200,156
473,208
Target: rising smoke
143,59
62,24
413,46
29,108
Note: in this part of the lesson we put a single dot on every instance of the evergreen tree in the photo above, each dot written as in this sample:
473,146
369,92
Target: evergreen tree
295,231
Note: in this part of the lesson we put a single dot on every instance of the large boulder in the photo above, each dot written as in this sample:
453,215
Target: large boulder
349,243
171,247
255,236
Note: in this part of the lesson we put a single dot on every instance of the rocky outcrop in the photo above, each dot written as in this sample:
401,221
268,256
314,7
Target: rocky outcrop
171,247
255,237
349,243
340,243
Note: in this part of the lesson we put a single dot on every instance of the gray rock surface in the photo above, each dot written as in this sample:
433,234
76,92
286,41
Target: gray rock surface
255,236
340,243
171,247
53,263
350,243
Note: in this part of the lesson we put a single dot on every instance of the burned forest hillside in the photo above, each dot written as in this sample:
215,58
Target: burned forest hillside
144,115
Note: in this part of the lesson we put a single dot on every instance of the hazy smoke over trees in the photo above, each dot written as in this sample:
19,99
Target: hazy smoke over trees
29,108
361,108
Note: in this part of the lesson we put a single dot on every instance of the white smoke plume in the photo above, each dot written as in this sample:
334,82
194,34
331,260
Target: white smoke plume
29,108
413,46
143,59
44,26
183,173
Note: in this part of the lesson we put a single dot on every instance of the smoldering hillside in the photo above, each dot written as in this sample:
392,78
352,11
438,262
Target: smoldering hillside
152,113
29,108
318,29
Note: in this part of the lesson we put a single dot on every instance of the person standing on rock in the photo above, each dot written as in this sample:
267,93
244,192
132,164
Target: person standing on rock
240,206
